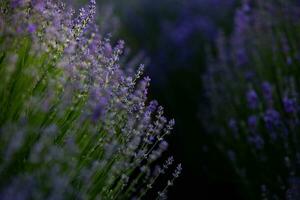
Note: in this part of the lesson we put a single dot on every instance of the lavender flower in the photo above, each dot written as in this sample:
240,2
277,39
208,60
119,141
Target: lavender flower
17,3
289,105
267,91
74,124
252,99
31,28
252,122
271,118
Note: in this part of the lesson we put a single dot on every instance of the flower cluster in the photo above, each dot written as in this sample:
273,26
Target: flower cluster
253,88
73,124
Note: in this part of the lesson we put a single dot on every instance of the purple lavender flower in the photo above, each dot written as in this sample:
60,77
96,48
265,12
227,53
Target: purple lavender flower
31,28
241,57
267,91
163,145
252,121
152,106
97,113
271,118
39,5
252,99
107,50
289,105
17,3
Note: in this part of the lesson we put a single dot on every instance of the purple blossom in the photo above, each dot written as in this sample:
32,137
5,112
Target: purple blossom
241,57
31,28
39,5
86,15
17,3
152,106
271,118
252,99
107,50
177,171
289,105
252,121
151,139
163,145
242,20
267,91
100,107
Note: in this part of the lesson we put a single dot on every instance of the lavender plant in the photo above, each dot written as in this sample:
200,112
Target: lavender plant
253,89
73,124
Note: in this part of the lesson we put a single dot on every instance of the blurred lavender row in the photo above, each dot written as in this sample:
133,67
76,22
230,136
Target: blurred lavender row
253,91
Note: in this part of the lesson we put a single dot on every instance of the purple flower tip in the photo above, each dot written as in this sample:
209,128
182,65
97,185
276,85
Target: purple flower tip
267,90
163,145
99,109
252,99
289,105
40,6
17,3
252,121
31,28
271,117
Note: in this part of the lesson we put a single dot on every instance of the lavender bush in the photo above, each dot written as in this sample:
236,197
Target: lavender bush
73,123
253,89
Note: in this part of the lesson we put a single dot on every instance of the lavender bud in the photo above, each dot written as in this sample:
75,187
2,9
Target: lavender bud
163,145
252,122
267,91
271,118
289,105
252,99
31,28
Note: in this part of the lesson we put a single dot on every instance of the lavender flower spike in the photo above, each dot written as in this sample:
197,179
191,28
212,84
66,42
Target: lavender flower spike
252,99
